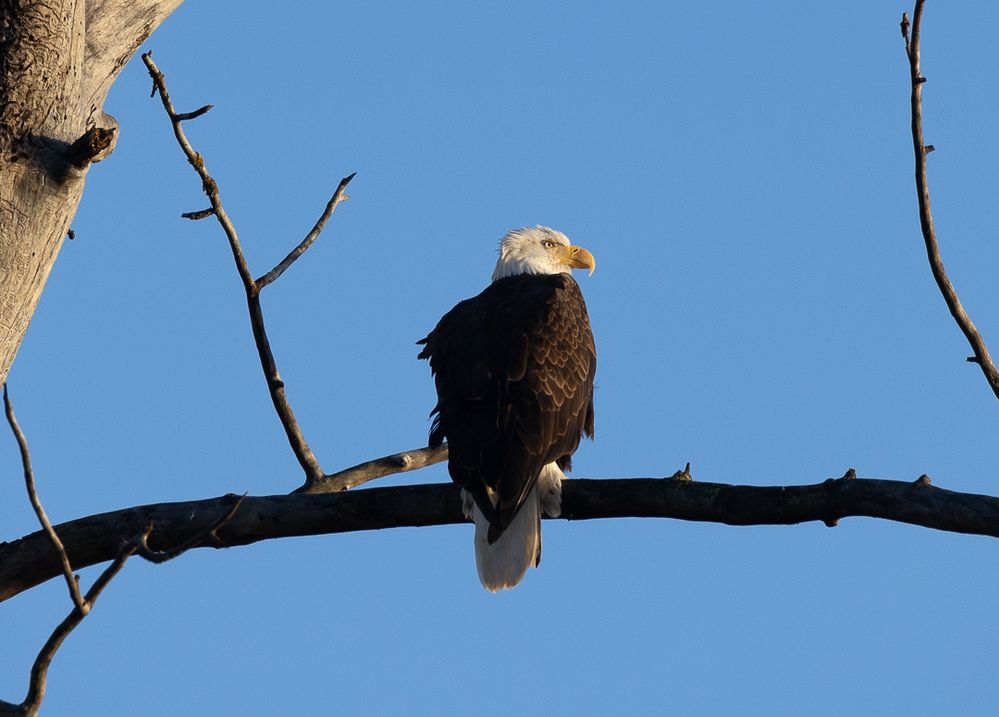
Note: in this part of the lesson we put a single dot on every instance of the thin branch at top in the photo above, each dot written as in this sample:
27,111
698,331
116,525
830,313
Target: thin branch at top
982,357
338,196
275,385
197,161
36,503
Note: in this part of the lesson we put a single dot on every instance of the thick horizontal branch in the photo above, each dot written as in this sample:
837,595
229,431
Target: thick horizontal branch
31,560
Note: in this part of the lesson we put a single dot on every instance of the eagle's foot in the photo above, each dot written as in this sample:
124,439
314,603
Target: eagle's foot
550,490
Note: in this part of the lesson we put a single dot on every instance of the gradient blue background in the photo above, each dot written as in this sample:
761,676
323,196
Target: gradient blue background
762,307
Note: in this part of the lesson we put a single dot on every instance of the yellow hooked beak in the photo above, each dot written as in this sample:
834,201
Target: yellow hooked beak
578,258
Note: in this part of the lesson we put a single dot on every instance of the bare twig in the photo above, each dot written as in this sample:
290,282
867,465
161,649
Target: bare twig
39,670
184,116
338,196
982,357
377,468
81,604
200,214
211,532
275,385
196,160
27,562
36,503
138,544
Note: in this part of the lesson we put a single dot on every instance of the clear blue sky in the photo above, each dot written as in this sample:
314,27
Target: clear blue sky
762,308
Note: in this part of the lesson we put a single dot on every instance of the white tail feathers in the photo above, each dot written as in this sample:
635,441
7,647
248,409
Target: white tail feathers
504,563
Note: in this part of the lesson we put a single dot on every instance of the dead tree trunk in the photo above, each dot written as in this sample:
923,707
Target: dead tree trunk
58,58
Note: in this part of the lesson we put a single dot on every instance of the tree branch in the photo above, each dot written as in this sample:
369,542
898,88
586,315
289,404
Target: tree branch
377,468
338,196
30,560
275,385
40,668
197,161
209,535
138,544
36,504
94,145
964,322
81,605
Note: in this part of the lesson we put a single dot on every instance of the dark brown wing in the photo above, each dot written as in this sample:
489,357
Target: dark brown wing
514,370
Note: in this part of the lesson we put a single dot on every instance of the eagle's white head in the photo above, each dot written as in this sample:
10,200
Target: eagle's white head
539,250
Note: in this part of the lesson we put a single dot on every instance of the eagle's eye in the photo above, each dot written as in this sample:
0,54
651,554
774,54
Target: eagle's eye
548,244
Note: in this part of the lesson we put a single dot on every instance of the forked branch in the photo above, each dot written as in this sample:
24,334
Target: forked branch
72,581
39,670
275,385
338,196
82,604
911,36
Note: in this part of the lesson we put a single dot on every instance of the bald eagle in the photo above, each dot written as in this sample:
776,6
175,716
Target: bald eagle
514,370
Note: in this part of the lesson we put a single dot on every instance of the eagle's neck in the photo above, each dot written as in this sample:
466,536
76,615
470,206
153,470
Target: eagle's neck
514,264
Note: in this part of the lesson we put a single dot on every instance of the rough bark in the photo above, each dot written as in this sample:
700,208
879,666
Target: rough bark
57,61
32,560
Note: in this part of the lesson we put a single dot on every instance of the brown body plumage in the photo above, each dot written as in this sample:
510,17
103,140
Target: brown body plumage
514,369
